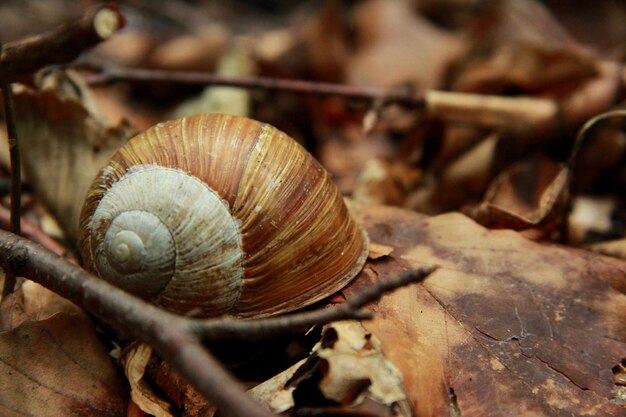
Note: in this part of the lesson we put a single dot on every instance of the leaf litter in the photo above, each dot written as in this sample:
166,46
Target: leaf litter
511,323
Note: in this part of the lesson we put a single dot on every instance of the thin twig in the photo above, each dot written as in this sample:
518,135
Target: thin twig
108,74
60,45
169,335
16,176
582,133
256,329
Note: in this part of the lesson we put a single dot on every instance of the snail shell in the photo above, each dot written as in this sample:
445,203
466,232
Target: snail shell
217,214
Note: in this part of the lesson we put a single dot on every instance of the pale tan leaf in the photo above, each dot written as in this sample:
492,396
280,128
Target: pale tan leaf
64,143
275,393
378,251
135,360
346,367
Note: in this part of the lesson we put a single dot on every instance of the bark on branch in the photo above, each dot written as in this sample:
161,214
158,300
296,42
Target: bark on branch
60,45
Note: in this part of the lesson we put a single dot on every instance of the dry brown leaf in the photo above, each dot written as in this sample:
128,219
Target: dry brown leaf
174,396
199,51
52,362
505,327
356,368
529,193
598,23
591,216
526,67
130,47
32,302
344,159
314,48
602,154
235,62
469,174
65,142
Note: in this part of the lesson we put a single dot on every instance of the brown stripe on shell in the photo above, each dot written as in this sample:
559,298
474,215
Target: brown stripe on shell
213,148
301,244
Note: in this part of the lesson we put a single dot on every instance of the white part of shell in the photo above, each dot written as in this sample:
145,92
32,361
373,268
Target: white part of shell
137,243
168,236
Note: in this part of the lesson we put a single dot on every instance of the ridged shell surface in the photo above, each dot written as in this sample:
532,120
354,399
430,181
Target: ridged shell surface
272,233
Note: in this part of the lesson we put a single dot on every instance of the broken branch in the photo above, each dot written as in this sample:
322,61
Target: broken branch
60,45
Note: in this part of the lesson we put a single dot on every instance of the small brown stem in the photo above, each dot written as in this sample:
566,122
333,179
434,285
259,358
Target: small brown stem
108,74
16,178
14,156
256,329
60,45
582,133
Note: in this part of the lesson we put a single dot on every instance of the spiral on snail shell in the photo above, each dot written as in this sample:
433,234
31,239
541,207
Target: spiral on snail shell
218,214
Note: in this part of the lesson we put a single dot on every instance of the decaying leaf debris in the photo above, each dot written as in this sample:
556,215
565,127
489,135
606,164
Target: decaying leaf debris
346,368
436,107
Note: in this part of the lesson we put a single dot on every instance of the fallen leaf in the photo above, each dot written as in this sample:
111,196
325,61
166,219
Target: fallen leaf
591,216
527,194
192,52
355,368
51,360
382,182
527,67
378,251
65,142
32,302
276,393
505,326
521,47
